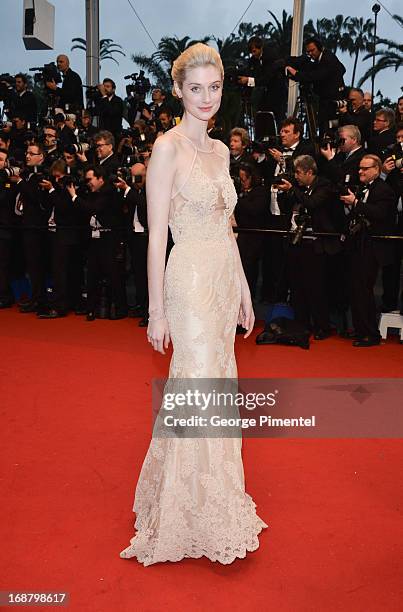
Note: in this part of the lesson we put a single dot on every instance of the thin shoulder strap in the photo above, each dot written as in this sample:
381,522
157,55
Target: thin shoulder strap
191,165
217,152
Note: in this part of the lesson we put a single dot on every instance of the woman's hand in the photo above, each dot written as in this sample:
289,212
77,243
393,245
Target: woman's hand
158,334
246,316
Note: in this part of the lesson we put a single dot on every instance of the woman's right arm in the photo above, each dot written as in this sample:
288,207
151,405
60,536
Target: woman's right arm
160,179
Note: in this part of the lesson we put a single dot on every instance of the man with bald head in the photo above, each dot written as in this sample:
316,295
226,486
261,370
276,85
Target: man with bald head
71,91
355,113
135,204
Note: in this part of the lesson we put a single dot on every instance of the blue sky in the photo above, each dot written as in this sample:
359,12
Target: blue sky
175,17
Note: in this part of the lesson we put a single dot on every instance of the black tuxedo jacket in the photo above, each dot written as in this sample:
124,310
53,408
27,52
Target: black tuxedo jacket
361,118
326,75
7,206
66,136
71,91
110,114
66,214
106,206
380,141
321,203
380,210
339,167
136,199
234,164
35,202
304,147
25,106
252,209
395,180
268,73
110,165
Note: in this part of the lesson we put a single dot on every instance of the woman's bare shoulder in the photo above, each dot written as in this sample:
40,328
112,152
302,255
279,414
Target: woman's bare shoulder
165,144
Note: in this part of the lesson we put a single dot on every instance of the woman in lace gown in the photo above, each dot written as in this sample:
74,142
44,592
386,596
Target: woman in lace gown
190,498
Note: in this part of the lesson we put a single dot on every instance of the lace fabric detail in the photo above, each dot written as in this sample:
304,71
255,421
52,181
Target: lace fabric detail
207,513
190,499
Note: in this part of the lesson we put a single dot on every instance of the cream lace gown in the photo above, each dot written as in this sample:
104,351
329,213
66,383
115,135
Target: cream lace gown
190,498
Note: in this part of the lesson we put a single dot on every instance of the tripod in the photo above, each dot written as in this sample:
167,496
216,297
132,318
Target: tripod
305,111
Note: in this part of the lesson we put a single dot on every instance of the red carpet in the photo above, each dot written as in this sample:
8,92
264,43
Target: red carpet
76,422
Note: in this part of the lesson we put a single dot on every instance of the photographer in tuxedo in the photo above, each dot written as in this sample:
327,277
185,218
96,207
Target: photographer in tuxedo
70,94
373,211
310,204
355,113
110,108
23,103
251,211
340,165
383,132
32,205
7,222
280,160
64,231
392,172
238,144
135,203
105,157
266,74
106,249
322,70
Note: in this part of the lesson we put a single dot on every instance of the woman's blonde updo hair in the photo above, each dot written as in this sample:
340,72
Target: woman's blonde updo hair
193,57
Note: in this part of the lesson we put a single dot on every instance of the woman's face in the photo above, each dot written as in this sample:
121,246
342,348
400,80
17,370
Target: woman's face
201,92
400,106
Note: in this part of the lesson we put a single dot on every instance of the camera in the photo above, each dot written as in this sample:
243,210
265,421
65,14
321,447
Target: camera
279,178
233,72
331,140
343,188
7,83
343,103
303,220
82,147
47,72
357,224
395,151
123,173
92,94
268,142
140,85
10,171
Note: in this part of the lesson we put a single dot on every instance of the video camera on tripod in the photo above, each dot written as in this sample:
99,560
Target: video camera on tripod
140,85
7,84
47,72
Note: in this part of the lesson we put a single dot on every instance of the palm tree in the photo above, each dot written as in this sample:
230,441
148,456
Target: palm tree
391,57
332,32
360,35
106,48
159,64
280,32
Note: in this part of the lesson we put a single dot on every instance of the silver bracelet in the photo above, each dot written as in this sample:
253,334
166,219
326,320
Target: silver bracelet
156,315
